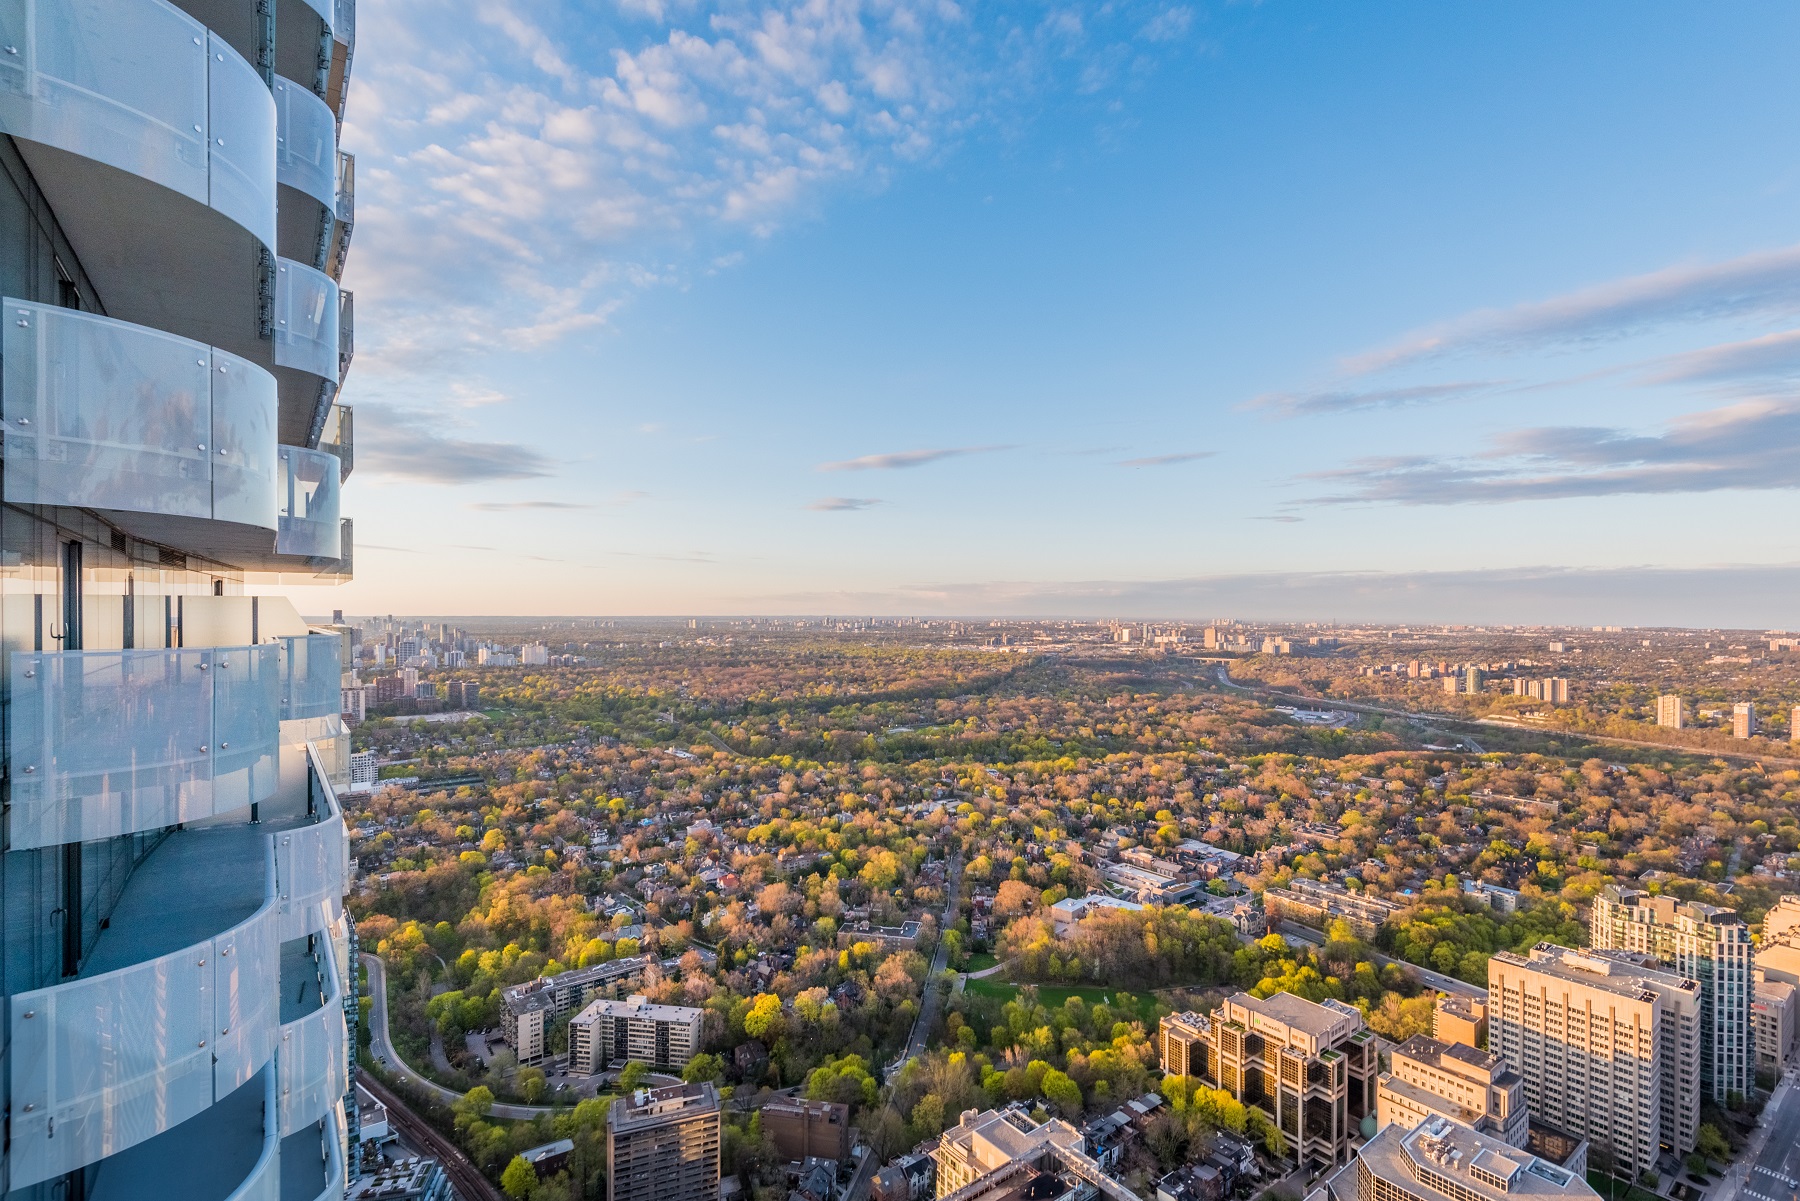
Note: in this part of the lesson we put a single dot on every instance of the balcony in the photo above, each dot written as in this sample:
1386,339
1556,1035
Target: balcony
339,247
154,142
306,321
230,1152
221,955
308,513
306,166
312,676
103,743
346,333
338,436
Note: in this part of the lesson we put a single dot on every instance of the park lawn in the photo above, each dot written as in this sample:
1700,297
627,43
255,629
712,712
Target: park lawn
980,961
1055,995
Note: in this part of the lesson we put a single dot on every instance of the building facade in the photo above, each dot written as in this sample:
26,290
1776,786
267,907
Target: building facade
663,1145
633,1030
1608,1048
1702,942
1310,1067
526,1010
802,1129
1431,1079
1444,1160
1317,904
174,213
1775,1019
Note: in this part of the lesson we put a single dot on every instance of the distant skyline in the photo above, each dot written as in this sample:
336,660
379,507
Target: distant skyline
1405,313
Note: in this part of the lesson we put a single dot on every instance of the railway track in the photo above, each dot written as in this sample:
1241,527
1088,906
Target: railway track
465,1177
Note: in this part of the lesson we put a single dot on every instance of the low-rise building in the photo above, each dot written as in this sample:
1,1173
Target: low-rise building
1065,913
409,1179
1773,1012
803,1129
909,1177
1459,1019
1318,903
632,1030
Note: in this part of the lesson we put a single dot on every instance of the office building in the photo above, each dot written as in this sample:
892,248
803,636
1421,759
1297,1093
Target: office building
1608,1047
986,1142
1459,1019
526,1010
1705,943
803,1129
633,1030
662,1144
1317,904
173,214
1773,1017
1445,1160
1671,712
1743,720
1431,1079
1782,923
1311,1068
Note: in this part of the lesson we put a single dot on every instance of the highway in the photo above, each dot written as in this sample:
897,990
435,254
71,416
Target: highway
465,1178
383,1047
1436,980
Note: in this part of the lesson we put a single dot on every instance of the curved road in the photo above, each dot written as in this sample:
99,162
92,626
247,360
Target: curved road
383,1047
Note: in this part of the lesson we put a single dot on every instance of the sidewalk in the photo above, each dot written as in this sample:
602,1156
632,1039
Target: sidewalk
1735,1177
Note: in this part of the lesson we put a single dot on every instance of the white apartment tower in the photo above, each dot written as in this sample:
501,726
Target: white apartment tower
1702,942
1743,720
174,216
609,1032
1671,711
1608,1047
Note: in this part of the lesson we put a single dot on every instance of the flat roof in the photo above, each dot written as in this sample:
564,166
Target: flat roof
1293,1011
1476,1164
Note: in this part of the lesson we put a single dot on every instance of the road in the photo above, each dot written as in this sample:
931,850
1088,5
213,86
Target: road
1773,1172
1436,980
465,1178
1523,727
933,999
383,1047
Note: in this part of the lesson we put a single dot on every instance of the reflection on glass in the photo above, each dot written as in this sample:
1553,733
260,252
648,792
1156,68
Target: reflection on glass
241,140
306,156
310,480
306,319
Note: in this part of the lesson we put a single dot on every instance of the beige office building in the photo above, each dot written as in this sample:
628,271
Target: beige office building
1444,1160
1705,943
1608,1047
609,1032
1773,1015
1439,1079
1782,923
1310,1067
987,1141
663,1145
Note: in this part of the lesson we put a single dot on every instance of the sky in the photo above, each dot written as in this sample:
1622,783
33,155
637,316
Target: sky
1393,311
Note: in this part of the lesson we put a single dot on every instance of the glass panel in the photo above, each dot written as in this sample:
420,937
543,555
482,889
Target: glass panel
344,27
305,142
244,404
246,724
242,130
339,436
104,414
306,319
346,338
110,1061
309,504
312,863
122,83
314,676
314,1058
108,742
264,1181
246,1011
346,188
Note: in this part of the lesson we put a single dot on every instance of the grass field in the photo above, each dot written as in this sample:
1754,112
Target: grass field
1054,995
980,961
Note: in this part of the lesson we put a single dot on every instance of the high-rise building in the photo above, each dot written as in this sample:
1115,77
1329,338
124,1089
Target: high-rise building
662,1144
1438,1079
632,1030
1705,943
174,210
1445,1160
1671,711
1472,679
1608,1047
1743,720
1794,725
1309,1067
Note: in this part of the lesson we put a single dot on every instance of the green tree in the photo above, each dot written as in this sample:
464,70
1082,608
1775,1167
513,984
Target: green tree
519,1178
1062,1091
532,1084
633,1076
703,1066
1712,1143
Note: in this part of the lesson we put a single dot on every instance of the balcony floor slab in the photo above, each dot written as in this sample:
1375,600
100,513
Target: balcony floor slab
203,1159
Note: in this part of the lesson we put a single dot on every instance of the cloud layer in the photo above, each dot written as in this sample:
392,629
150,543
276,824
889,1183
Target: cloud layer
898,460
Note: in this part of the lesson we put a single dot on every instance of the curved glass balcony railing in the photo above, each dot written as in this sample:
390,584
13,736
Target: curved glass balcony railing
313,1056
104,414
103,743
312,676
142,87
264,1181
339,248
306,320
309,482
103,1063
339,435
306,153
312,862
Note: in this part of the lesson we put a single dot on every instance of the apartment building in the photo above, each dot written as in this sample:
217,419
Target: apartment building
1431,1079
663,1144
174,212
1444,1160
526,1010
1310,1067
609,1032
1671,711
803,1130
1775,1022
1316,903
1702,942
1608,1046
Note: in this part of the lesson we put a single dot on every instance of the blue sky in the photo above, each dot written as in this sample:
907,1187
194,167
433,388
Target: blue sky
1324,310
